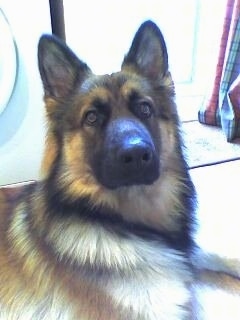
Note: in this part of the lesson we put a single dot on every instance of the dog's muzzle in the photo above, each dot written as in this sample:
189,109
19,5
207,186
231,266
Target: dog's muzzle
129,156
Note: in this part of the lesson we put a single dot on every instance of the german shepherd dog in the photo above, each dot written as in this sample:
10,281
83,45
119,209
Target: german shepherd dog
107,233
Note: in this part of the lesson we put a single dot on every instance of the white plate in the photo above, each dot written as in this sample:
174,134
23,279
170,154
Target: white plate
8,62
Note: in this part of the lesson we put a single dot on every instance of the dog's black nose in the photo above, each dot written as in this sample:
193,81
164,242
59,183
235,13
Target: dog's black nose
129,156
135,155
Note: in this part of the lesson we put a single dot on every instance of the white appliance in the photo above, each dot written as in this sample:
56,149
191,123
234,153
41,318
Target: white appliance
21,106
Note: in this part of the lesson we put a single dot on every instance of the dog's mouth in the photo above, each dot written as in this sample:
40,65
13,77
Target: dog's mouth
131,180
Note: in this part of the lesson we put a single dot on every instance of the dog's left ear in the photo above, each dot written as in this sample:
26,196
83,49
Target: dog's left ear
148,52
60,69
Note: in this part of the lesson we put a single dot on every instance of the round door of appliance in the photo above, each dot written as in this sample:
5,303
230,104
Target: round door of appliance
22,128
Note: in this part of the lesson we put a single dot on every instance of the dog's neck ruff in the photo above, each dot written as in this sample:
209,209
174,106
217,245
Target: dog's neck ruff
84,212
94,239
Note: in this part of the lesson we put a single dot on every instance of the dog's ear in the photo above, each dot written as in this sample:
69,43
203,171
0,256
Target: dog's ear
148,52
60,69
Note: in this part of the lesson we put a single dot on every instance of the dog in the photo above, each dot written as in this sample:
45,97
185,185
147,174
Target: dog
107,231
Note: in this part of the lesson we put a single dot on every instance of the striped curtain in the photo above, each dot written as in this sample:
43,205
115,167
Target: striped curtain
223,106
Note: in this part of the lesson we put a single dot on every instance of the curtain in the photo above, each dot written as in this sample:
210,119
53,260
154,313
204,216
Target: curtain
222,108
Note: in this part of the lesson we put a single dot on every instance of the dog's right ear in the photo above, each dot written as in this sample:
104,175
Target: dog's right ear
60,69
148,53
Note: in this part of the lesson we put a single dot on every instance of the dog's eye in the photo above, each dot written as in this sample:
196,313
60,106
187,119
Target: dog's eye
144,109
91,117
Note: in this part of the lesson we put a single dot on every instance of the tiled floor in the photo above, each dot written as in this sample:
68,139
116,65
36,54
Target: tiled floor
218,211
215,172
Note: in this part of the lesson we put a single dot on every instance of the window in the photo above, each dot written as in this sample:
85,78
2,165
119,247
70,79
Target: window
100,32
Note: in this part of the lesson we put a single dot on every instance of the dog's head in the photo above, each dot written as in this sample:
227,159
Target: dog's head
110,132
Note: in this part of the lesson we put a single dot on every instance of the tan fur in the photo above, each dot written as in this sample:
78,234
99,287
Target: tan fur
51,145
49,154
51,292
52,285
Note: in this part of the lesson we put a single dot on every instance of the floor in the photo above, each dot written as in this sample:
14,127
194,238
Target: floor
206,145
218,210
215,169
